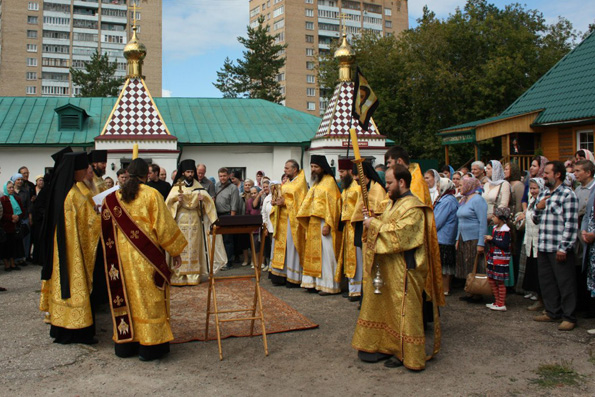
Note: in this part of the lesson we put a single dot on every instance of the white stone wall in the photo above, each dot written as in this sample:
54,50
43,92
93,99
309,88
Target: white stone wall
36,159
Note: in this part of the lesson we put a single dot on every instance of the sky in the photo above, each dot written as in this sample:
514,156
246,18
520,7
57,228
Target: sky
199,34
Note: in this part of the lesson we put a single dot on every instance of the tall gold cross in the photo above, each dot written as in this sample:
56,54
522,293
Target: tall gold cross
134,9
342,19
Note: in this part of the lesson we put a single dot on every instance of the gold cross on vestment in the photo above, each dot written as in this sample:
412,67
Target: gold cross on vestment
118,301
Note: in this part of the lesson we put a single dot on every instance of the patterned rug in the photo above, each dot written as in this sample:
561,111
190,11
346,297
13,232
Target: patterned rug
188,312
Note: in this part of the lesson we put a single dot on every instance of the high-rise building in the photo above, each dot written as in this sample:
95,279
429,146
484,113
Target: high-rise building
309,26
41,39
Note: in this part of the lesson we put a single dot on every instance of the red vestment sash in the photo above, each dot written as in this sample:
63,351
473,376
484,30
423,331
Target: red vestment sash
113,211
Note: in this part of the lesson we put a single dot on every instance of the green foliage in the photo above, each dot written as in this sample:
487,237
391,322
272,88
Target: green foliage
557,375
97,79
470,66
255,75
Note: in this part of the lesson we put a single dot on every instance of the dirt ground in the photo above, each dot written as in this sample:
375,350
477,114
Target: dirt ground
484,353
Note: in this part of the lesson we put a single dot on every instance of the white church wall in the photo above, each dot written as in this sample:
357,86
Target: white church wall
36,159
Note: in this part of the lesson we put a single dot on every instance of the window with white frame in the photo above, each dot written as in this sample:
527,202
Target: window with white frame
309,12
31,75
31,34
388,24
310,106
310,91
281,77
309,1
33,6
310,78
309,38
31,20
280,38
31,61
388,12
309,52
31,47
309,25
31,90
279,24
585,139
278,11
254,12
310,65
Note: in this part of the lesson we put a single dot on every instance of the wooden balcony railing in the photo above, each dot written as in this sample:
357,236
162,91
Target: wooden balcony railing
524,161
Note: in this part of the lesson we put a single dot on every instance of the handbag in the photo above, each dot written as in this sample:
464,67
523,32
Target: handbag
22,230
477,283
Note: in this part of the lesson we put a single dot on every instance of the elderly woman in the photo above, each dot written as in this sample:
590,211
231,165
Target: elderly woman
478,170
536,170
445,214
12,214
496,190
472,217
432,179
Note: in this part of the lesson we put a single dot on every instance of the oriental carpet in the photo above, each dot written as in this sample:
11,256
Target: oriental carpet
188,312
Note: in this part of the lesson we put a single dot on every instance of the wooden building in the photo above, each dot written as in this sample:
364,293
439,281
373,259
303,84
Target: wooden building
555,117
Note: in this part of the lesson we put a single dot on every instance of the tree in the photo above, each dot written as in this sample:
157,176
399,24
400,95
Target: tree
472,65
255,75
97,78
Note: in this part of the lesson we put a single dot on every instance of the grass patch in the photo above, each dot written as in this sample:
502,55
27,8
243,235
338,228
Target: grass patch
557,375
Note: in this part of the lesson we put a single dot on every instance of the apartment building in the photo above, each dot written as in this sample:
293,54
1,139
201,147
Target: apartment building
309,26
41,39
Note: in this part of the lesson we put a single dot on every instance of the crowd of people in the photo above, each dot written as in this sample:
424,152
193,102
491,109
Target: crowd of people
379,234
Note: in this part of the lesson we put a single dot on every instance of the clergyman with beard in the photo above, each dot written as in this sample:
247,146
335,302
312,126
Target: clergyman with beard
319,215
98,160
390,324
194,211
349,255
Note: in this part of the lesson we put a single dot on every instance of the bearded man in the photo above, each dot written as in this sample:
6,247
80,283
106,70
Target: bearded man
319,215
194,211
349,254
288,239
398,247
98,160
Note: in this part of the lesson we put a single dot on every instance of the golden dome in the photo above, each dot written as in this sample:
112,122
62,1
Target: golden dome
346,57
135,52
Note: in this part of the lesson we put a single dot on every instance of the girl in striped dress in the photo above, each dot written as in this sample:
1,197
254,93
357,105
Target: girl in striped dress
498,257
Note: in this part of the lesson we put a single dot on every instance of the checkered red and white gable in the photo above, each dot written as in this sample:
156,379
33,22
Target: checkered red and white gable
337,119
135,113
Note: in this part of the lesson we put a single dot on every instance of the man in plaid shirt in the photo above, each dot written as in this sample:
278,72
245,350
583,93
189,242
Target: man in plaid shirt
557,216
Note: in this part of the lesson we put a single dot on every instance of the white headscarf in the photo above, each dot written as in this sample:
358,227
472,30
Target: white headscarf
497,173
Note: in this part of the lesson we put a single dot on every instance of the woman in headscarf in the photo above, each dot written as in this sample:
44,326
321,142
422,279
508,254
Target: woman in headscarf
11,216
536,170
496,190
472,217
456,179
528,263
512,172
433,179
445,214
584,154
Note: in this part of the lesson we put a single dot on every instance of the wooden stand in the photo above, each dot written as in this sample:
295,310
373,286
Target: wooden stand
256,303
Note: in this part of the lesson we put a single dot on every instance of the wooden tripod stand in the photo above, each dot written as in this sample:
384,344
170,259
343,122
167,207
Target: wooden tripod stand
256,303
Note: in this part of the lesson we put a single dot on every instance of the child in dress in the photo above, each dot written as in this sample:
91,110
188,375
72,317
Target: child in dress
498,257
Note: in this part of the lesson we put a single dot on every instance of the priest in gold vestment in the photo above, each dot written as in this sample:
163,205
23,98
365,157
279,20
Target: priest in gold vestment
98,160
147,302
349,255
319,215
71,233
288,237
377,201
419,187
195,212
402,246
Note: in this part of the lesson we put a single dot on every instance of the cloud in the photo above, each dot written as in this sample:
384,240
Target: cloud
192,28
165,93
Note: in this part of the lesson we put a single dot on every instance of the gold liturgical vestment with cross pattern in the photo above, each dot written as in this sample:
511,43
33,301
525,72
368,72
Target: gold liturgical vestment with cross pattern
347,254
82,227
392,322
323,202
293,192
188,217
148,304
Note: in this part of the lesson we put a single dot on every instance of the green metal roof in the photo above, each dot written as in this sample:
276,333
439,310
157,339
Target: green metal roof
473,124
566,92
194,121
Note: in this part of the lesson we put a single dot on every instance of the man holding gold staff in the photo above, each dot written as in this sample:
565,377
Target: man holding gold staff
377,201
320,215
350,256
194,212
288,246
398,254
